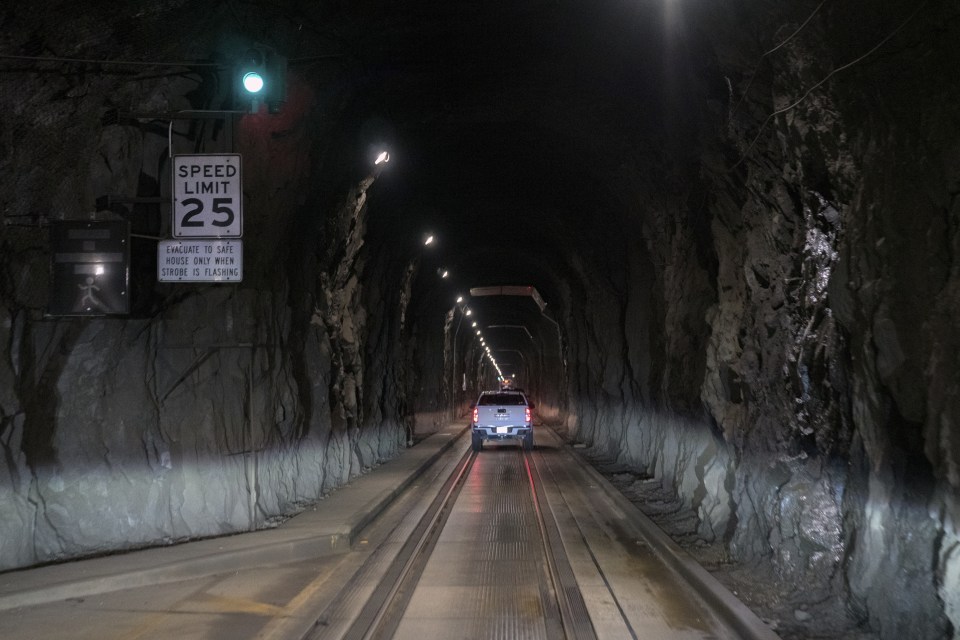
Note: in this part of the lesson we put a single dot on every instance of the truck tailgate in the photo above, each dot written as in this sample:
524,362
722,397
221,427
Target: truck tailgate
501,415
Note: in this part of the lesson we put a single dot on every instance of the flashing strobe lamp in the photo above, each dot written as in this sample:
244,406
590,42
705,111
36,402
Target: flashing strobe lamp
262,76
253,82
253,72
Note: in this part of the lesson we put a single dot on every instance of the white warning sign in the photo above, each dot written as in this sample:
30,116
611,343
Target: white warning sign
200,261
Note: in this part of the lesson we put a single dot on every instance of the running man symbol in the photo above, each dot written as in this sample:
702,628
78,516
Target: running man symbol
89,300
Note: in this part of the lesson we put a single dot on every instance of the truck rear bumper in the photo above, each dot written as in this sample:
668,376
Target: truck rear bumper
500,432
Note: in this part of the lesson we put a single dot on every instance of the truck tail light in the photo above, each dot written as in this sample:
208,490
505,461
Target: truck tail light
476,415
527,414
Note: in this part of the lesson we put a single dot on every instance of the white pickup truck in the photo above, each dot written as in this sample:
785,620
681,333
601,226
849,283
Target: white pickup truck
502,415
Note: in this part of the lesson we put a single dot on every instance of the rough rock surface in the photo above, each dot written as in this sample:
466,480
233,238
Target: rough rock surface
213,409
820,456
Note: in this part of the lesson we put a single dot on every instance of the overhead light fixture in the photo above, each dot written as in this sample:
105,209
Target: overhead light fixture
470,312
474,324
383,158
443,273
459,299
428,241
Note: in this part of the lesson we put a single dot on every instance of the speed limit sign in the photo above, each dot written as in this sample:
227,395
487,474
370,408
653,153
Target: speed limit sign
207,196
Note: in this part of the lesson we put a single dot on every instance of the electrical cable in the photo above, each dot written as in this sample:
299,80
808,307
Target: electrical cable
767,53
799,29
216,65
116,62
842,67
318,57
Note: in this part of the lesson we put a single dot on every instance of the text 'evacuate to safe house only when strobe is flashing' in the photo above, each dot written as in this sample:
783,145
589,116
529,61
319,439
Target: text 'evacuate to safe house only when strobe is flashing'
200,261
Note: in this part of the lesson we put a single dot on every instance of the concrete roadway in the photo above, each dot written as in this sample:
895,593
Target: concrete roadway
489,575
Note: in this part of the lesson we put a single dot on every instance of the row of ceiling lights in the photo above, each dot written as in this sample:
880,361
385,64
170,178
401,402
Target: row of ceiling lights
382,158
467,311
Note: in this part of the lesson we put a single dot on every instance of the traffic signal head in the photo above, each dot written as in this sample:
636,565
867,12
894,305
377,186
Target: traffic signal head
253,82
253,71
262,78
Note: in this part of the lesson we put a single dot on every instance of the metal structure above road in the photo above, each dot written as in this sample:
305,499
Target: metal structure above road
513,290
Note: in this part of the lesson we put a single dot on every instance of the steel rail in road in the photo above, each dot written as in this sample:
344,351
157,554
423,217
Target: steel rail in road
573,610
383,611
519,544
381,615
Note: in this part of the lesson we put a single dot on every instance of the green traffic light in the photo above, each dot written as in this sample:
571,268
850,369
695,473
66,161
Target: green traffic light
253,82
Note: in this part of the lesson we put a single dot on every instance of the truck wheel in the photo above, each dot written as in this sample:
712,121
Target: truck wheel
528,442
477,442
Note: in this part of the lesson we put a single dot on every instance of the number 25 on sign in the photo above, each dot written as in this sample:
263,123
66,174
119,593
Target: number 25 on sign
207,196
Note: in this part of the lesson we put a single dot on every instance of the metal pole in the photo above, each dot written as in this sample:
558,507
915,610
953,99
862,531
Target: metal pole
250,471
453,375
563,361
559,340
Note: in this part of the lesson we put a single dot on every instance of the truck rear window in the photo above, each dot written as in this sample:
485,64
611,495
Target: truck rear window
502,399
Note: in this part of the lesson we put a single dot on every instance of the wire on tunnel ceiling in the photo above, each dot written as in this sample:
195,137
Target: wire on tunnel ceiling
158,63
825,78
756,68
140,63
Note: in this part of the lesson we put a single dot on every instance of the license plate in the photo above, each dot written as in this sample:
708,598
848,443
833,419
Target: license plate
503,429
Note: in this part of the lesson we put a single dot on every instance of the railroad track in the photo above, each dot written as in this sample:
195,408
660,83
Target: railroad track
522,544
511,511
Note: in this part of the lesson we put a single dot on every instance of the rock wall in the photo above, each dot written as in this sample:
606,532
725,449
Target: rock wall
213,408
819,323
125,434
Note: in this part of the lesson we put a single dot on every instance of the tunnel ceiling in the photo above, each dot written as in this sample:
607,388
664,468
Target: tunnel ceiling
508,125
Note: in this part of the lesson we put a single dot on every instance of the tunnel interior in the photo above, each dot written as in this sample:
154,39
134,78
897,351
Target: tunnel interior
716,243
